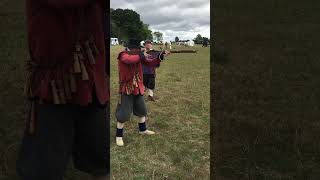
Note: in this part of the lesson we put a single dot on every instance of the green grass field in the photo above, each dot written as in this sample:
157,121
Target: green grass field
13,52
266,92
180,117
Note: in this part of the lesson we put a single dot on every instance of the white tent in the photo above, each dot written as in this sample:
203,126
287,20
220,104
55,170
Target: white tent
168,42
142,43
114,41
190,43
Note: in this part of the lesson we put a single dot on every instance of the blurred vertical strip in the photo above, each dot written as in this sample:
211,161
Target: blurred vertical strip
106,32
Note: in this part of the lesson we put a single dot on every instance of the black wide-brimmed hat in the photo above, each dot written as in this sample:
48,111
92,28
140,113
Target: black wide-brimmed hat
133,43
147,41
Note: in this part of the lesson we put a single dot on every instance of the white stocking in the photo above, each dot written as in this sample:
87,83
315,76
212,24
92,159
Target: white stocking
150,92
142,119
120,125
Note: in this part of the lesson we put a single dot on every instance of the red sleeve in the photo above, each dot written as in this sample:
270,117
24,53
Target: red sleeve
129,59
69,3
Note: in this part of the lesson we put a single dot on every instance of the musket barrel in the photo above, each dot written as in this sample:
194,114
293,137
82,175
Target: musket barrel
183,51
156,54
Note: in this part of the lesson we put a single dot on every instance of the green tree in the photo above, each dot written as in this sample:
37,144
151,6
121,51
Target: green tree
198,39
126,24
147,34
158,36
115,30
205,39
177,39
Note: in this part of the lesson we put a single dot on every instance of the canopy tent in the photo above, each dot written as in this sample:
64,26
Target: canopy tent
114,41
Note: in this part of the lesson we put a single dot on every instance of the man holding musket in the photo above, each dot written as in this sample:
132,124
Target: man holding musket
149,74
131,89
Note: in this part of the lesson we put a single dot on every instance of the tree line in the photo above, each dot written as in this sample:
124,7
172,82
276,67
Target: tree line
126,24
197,40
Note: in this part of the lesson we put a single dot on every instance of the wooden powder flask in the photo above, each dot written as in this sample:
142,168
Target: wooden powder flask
131,89
135,83
119,100
139,78
89,53
127,91
32,123
134,80
56,99
79,51
61,93
27,87
93,46
76,63
80,55
29,78
84,73
73,85
67,87
78,47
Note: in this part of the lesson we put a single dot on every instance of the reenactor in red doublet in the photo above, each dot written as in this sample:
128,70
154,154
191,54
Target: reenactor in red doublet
66,84
131,88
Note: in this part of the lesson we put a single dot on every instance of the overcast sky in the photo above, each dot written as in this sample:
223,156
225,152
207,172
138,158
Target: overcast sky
182,18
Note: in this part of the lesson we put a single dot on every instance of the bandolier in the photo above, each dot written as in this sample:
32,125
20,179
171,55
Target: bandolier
67,85
59,80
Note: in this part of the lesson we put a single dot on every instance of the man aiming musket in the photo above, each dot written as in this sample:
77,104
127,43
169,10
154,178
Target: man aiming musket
149,74
131,89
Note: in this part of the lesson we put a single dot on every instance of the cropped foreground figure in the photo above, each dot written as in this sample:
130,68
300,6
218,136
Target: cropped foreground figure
67,87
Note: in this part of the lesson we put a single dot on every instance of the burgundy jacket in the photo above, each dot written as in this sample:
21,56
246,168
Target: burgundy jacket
51,30
130,66
150,70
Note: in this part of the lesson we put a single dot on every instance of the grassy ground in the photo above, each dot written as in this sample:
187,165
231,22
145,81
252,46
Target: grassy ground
266,91
180,117
13,52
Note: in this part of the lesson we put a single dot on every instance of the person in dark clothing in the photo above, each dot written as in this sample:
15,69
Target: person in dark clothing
149,74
